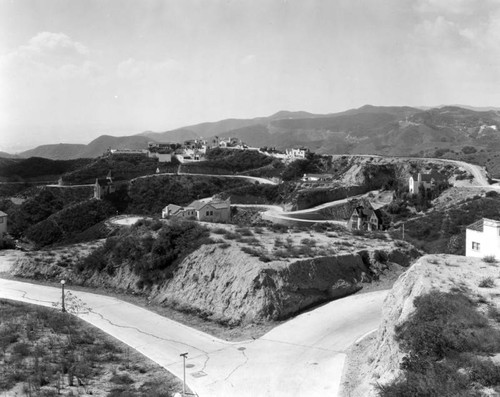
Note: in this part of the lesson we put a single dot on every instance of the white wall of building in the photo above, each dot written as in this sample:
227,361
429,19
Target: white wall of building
485,243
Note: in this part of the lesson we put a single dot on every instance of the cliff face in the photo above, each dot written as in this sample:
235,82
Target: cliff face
227,285
431,272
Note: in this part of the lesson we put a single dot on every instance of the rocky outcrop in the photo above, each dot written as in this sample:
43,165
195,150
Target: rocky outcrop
431,272
227,285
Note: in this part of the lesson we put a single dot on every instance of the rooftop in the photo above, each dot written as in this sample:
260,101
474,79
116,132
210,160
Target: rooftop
478,226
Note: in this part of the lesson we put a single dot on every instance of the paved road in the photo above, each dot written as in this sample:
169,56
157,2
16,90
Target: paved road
302,357
250,178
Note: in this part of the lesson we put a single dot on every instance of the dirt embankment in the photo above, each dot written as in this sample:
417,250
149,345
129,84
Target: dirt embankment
224,284
378,360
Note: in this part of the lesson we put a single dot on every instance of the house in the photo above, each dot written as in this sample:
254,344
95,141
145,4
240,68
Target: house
206,211
317,178
365,219
133,152
482,238
423,181
103,186
177,210
3,223
299,153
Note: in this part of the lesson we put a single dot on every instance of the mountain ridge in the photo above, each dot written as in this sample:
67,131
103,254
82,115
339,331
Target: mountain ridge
384,130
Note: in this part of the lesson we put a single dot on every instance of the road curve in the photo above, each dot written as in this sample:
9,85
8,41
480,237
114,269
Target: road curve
250,178
302,357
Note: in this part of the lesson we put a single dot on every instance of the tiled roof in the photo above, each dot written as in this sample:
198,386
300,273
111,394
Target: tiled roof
2,213
197,204
220,204
173,208
477,226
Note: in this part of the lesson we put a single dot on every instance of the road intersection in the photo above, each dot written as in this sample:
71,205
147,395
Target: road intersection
302,357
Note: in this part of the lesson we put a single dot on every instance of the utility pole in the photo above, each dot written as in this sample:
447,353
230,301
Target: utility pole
184,355
62,296
403,231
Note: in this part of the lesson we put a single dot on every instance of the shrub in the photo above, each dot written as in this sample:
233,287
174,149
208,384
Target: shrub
442,340
7,243
121,379
244,231
149,258
487,282
309,242
219,230
489,259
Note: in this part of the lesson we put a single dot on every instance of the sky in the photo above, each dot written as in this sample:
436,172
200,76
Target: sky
71,70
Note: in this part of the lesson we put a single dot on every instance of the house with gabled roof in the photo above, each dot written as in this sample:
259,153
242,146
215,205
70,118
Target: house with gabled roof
482,238
201,210
365,218
103,186
423,181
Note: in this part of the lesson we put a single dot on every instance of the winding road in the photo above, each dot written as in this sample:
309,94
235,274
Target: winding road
302,357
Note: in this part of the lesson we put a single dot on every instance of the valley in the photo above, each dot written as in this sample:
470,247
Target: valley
307,237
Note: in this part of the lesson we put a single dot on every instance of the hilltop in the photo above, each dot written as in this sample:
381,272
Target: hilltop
449,131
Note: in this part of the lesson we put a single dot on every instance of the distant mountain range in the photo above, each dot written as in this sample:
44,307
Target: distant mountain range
367,130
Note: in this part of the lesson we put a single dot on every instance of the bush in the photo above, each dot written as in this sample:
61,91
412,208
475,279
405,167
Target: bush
442,340
150,258
7,243
489,259
70,221
487,282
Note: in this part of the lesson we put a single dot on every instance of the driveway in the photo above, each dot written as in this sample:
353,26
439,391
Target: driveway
302,357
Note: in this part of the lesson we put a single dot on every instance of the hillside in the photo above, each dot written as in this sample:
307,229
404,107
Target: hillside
65,151
36,168
225,273
455,301
448,131
60,151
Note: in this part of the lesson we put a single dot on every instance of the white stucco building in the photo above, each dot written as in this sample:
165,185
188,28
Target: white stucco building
482,238
419,181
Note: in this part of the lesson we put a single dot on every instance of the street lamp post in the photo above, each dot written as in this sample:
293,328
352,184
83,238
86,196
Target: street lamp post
62,292
184,355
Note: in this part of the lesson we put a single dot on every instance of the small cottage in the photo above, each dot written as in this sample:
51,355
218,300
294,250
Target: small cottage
103,186
365,219
206,211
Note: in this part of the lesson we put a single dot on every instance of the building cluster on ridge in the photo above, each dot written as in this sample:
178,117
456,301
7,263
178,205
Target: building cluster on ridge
193,150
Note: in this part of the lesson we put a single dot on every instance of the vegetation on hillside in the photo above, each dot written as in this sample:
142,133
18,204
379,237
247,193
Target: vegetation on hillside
444,231
150,248
122,167
447,342
312,164
68,222
37,168
151,195
50,353
228,161
254,194
39,207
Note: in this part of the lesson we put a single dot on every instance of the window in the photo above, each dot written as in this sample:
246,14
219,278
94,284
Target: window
475,246
1,219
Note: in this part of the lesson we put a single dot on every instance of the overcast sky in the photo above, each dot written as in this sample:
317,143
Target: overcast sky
73,70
